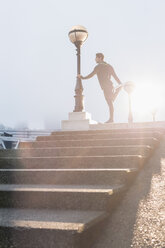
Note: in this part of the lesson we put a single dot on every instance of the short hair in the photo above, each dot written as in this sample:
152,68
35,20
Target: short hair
100,55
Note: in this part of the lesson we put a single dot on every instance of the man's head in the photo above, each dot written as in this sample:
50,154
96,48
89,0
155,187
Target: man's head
99,57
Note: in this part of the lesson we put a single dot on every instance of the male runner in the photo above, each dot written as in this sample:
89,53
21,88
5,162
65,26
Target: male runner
104,72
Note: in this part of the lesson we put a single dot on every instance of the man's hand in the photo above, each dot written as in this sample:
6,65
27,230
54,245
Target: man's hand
79,76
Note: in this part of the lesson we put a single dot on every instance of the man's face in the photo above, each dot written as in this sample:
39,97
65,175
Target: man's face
98,59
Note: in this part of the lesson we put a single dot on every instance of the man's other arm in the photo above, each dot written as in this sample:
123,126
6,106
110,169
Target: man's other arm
115,76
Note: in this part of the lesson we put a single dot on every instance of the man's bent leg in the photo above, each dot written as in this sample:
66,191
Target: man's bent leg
116,92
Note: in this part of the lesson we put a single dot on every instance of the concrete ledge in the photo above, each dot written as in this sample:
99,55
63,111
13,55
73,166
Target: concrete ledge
103,135
153,142
60,197
44,228
62,220
144,150
108,126
65,177
116,161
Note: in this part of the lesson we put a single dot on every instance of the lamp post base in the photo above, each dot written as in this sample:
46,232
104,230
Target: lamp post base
79,103
77,121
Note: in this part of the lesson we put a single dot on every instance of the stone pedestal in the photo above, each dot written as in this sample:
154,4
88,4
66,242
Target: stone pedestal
77,121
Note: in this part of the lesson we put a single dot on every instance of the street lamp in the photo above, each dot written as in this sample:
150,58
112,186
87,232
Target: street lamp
153,112
77,35
129,88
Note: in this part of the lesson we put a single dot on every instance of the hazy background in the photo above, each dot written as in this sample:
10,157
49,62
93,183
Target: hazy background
38,62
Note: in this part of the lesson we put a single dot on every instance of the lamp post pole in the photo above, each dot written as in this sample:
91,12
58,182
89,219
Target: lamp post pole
154,114
130,116
77,36
79,98
129,87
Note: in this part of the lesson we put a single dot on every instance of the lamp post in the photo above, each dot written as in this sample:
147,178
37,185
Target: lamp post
129,88
78,35
153,112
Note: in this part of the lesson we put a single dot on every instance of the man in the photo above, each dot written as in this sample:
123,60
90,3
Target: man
104,72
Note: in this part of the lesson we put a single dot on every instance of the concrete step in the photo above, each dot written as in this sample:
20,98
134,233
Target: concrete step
91,142
63,197
78,151
117,130
116,161
66,176
31,228
99,136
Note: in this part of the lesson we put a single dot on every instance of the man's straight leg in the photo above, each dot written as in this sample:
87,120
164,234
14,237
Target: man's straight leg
108,94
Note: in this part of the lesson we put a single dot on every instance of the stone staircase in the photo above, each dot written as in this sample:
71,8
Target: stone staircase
59,190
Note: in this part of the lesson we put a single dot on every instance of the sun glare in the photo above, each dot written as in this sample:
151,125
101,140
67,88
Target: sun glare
146,98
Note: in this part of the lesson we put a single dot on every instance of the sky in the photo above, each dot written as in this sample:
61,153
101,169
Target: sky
38,61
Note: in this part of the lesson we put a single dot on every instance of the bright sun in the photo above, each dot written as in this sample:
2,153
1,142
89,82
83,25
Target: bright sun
146,98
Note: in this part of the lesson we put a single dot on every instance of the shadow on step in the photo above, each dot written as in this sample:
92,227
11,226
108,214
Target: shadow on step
138,219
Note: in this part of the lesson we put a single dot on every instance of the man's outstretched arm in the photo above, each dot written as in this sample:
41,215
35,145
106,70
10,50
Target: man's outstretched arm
88,76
